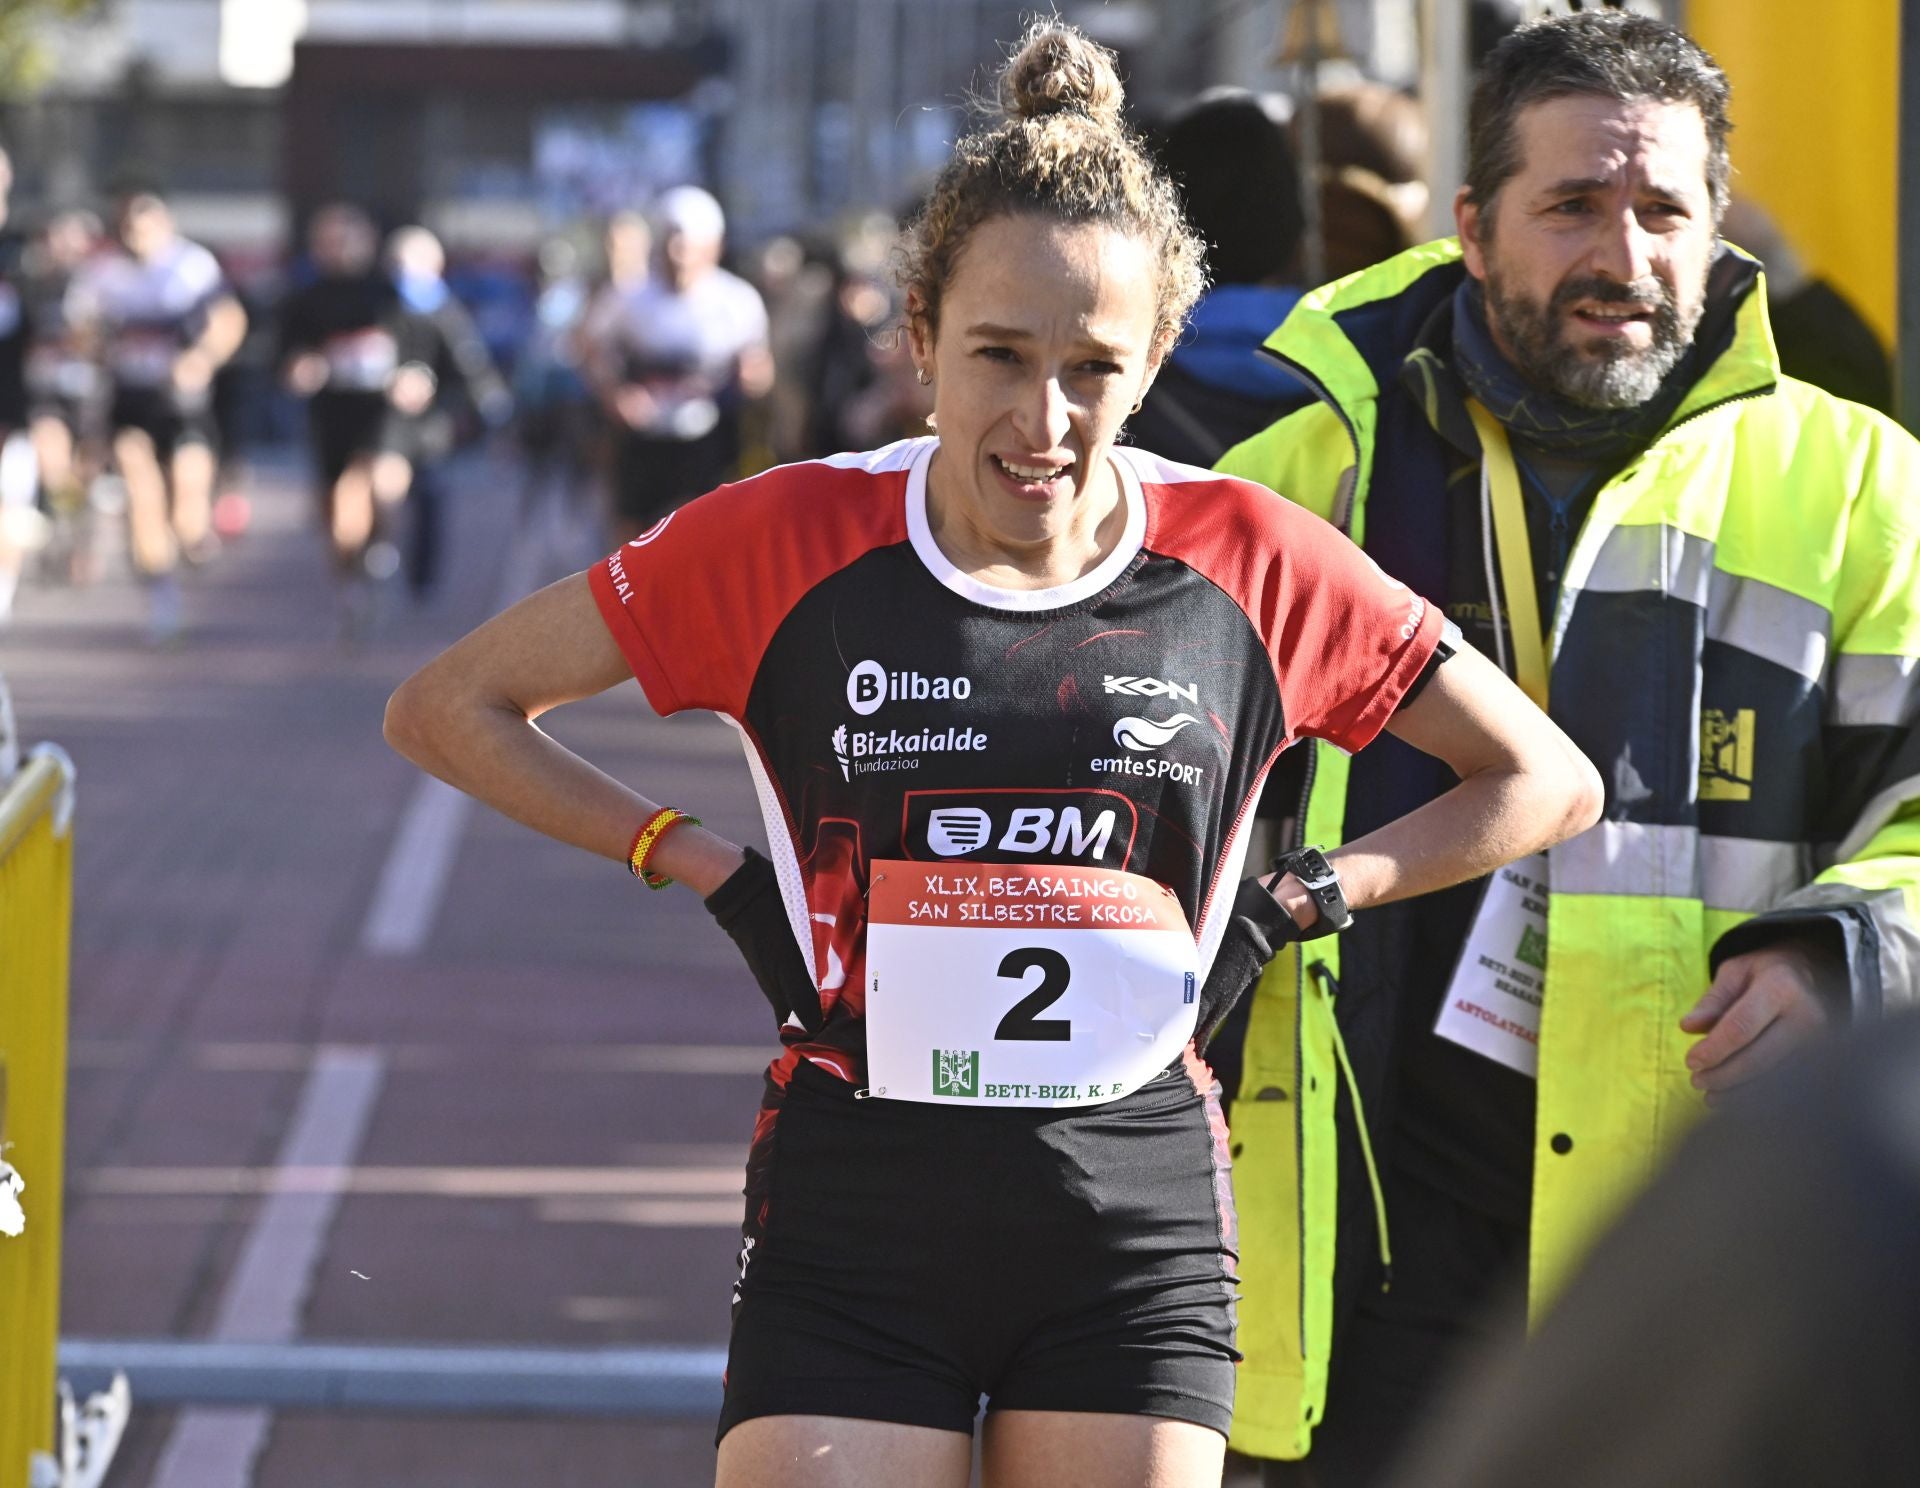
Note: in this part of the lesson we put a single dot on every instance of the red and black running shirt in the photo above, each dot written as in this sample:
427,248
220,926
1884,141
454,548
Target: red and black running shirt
893,707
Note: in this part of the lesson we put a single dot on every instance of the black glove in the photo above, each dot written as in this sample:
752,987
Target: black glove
749,908
1256,930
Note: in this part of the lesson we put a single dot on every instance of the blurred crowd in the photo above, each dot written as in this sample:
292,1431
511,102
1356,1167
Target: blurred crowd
629,364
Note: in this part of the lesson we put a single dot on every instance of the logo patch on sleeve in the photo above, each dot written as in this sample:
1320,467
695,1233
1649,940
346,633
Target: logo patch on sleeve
1726,754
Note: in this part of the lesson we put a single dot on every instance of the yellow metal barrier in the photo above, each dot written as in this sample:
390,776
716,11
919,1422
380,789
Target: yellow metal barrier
36,901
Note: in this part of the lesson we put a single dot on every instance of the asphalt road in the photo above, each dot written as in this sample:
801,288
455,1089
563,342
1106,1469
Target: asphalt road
355,1062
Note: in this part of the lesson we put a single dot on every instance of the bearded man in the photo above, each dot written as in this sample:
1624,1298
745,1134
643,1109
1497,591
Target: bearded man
1570,428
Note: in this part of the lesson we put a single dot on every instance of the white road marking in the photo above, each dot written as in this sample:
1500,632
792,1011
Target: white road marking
331,1181
252,1057
265,1294
413,882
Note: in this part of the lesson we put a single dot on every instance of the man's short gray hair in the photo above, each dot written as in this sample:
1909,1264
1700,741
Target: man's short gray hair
1601,53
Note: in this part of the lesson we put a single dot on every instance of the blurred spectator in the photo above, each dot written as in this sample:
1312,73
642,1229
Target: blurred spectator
337,350
849,354
1373,194
1235,169
553,407
64,386
1754,1321
794,284
1821,338
686,350
1488,22
444,375
497,293
165,320
21,525
626,261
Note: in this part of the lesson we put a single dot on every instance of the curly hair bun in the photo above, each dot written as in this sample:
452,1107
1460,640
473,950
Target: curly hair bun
1057,70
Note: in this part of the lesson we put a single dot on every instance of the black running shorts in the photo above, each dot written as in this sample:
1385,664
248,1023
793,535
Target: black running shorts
903,1260
344,427
653,477
170,422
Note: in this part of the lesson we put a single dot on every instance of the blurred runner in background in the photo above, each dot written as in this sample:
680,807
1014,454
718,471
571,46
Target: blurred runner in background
163,319
444,375
554,411
64,388
21,527
626,260
337,350
683,354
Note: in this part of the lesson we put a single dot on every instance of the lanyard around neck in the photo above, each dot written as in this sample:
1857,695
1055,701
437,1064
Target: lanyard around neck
1516,553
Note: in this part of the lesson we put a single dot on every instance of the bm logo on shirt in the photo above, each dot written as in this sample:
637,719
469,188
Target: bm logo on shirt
1096,827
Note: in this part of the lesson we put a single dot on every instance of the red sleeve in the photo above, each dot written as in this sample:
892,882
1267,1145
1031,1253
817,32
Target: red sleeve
1346,640
694,600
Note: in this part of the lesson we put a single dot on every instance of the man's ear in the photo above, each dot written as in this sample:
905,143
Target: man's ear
1469,218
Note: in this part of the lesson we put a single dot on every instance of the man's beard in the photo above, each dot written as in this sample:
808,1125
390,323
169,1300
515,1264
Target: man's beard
1610,374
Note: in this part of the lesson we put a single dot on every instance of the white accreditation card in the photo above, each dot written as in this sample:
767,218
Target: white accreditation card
999,984
1493,1002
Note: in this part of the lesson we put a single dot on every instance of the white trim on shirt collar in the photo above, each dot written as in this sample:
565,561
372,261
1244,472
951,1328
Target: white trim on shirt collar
1132,538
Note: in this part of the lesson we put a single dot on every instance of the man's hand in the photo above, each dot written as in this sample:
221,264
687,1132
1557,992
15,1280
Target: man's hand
192,370
1761,1007
412,389
306,374
635,407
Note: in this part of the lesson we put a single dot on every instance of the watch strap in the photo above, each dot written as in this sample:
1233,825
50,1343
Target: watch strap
1322,881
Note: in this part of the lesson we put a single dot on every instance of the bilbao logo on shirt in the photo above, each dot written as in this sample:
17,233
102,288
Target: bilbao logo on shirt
1096,827
870,686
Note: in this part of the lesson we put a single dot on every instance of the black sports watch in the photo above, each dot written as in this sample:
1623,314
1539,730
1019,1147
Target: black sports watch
1317,877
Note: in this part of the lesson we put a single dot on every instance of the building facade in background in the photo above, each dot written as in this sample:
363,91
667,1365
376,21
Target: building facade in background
497,121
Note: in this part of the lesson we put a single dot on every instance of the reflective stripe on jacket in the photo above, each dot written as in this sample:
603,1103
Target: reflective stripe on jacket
1735,648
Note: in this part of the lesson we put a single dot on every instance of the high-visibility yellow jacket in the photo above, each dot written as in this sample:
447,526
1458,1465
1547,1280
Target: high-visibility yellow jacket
1734,646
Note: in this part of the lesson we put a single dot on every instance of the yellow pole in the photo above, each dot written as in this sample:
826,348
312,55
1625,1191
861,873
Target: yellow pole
1816,128
36,885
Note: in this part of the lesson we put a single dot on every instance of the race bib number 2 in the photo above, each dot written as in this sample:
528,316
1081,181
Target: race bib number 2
993,984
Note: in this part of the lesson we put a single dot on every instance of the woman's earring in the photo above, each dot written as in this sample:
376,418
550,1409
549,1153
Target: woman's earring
921,374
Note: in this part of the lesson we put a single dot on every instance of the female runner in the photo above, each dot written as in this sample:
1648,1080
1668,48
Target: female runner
1008,694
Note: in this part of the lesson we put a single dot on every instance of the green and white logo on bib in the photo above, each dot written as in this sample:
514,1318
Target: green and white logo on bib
956,1072
1532,948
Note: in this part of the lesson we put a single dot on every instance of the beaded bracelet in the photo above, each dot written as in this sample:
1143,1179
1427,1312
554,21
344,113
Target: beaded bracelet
648,838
